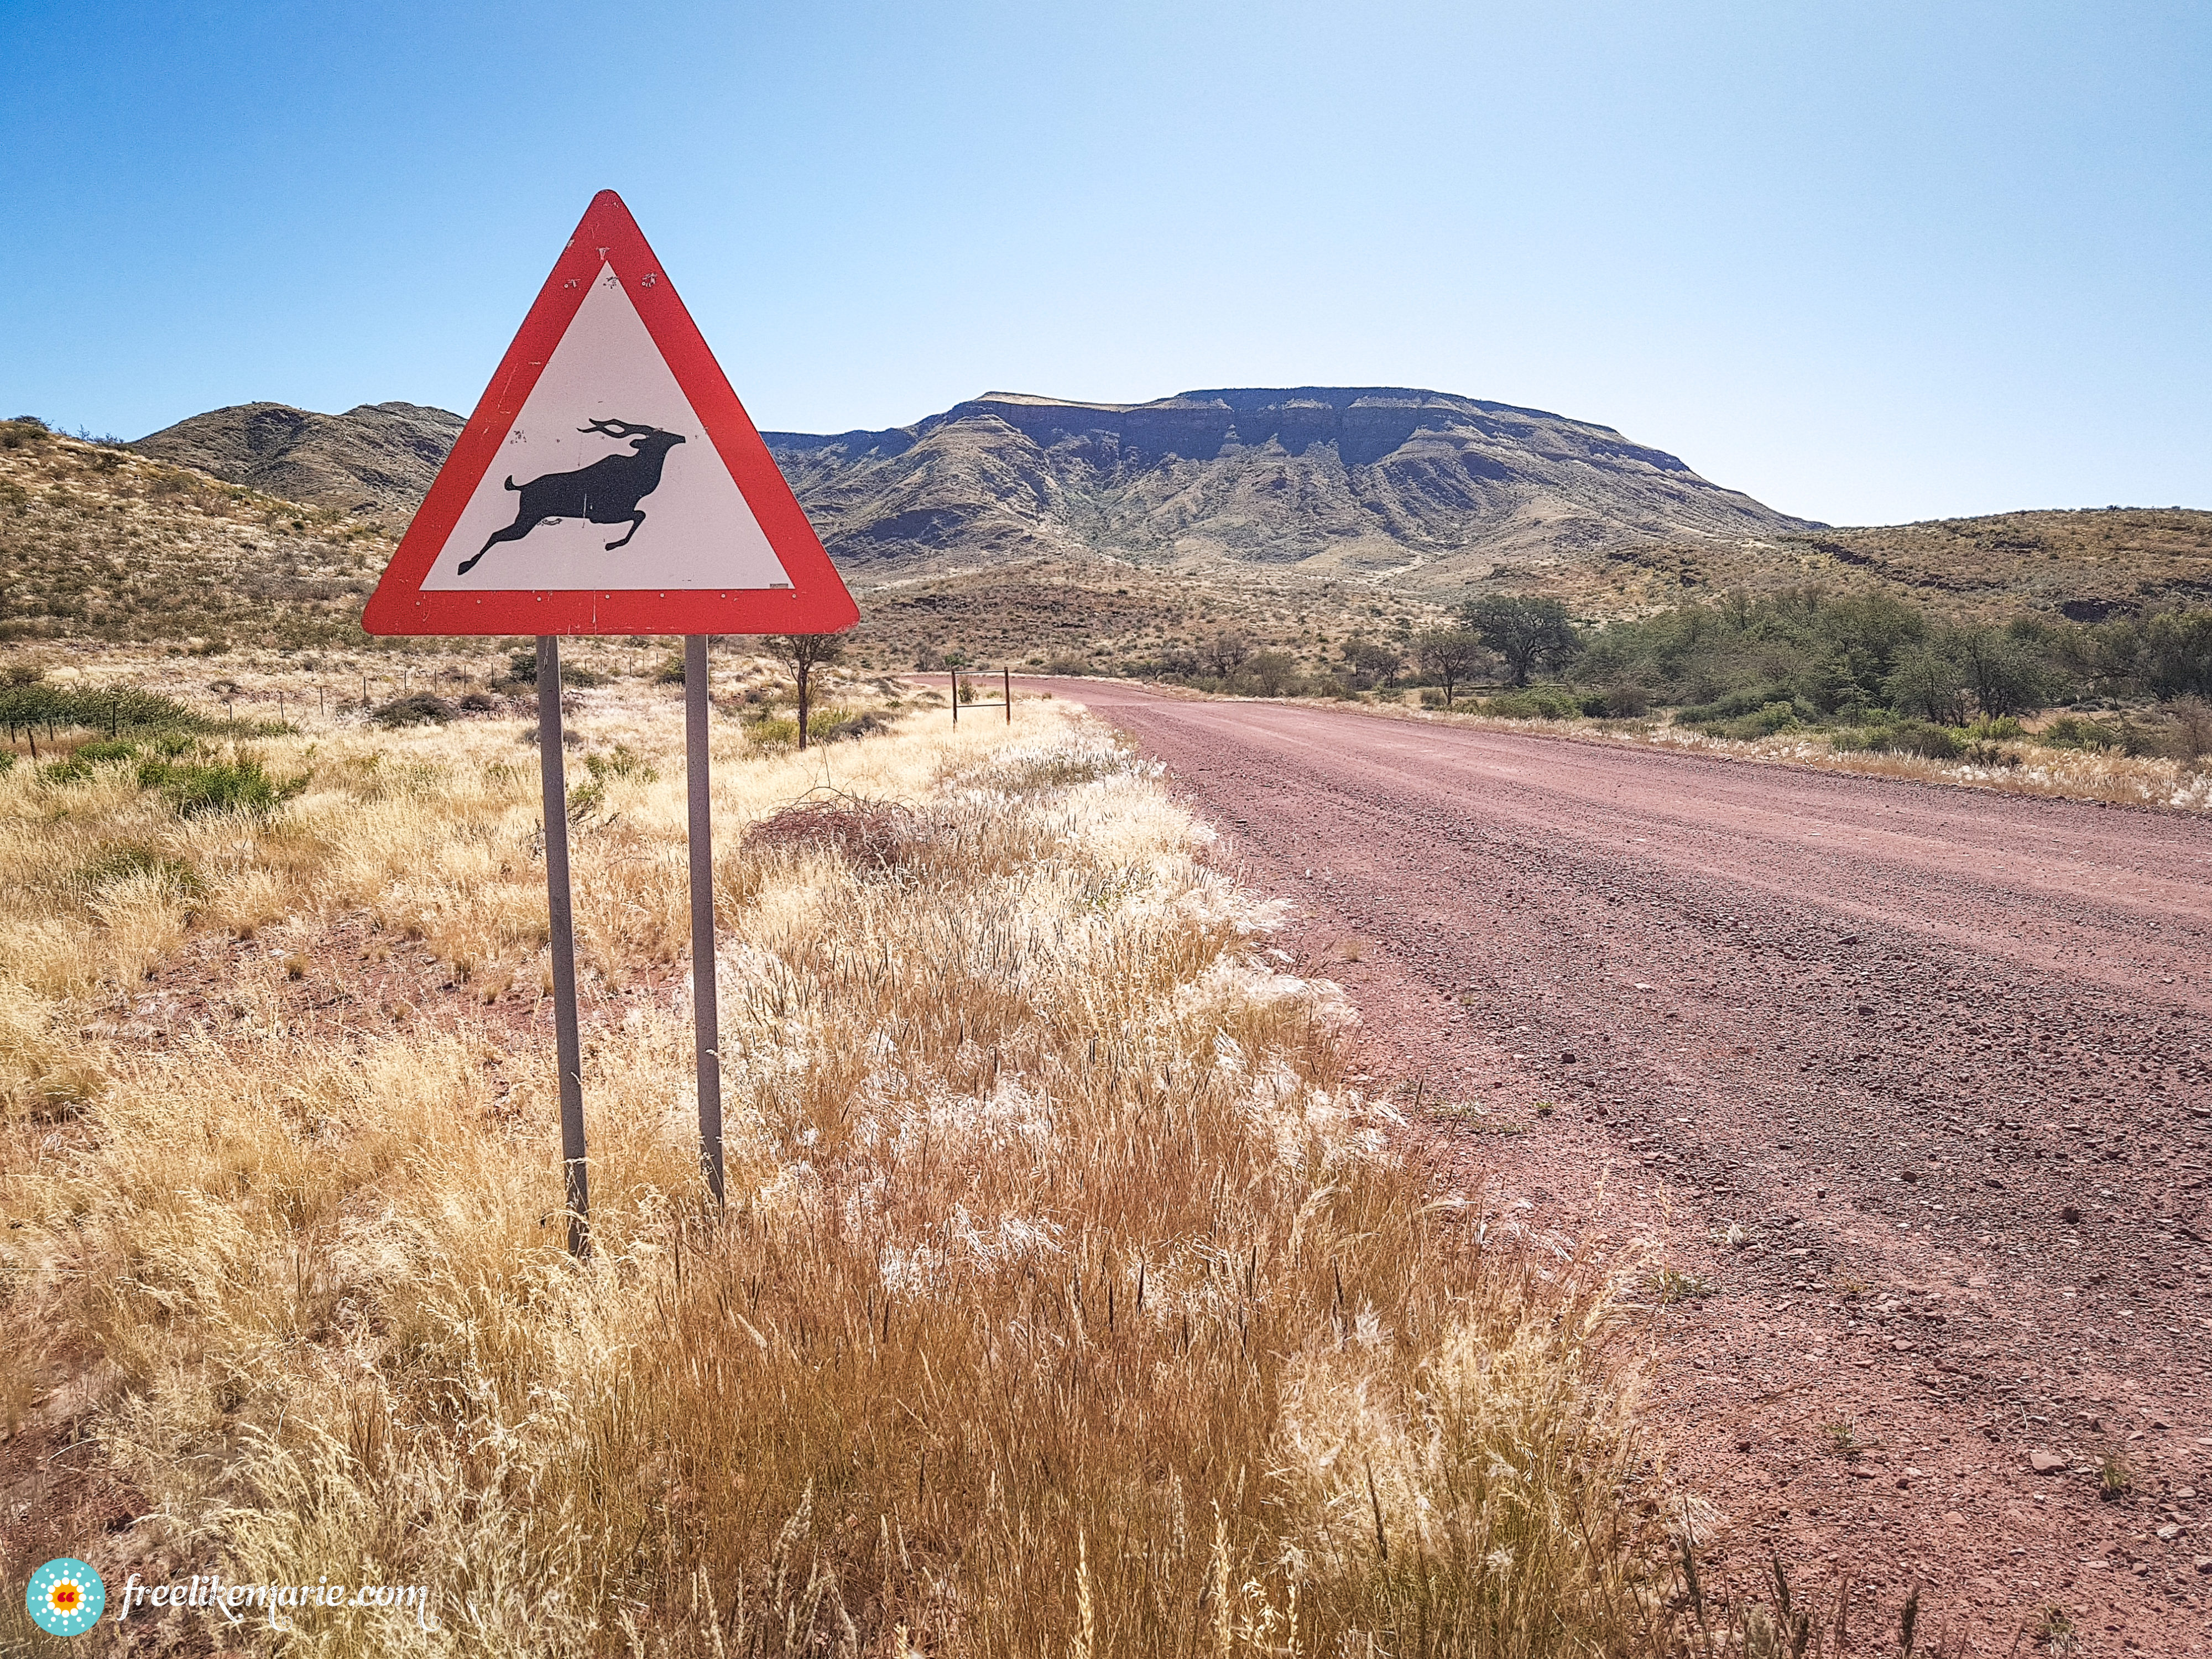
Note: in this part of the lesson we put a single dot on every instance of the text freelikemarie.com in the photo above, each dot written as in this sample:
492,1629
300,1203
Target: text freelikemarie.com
210,1592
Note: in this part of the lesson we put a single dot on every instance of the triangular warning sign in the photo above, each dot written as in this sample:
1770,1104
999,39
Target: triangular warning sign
609,482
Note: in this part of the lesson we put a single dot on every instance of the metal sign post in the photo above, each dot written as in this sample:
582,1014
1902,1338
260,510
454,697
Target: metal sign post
706,1025
568,1051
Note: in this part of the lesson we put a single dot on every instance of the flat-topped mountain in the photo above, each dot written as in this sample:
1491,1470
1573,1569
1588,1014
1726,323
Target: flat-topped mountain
1367,478
374,459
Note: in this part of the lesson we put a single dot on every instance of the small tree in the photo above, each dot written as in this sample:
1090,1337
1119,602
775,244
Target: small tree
1273,672
802,653
1450,654
1528,633
1373,662
1224,654
2001,669
1927,685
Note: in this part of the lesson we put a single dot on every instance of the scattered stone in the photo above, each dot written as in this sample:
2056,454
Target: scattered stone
2168,1532
1860,1473
2204,1563
1568,1058
2045,1462
1902,1345
2070,1215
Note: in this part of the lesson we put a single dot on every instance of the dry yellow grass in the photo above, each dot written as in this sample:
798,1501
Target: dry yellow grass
1068,1300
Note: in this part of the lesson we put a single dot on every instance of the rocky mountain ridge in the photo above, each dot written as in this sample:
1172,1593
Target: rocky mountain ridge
1368,479
1363,479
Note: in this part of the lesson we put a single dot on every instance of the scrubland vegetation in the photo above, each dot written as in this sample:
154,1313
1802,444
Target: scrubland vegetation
2114,710
1069,1299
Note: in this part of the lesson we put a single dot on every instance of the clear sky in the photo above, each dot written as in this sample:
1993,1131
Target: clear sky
1868,262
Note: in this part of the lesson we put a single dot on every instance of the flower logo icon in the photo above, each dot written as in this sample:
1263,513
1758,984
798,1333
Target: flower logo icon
65,1597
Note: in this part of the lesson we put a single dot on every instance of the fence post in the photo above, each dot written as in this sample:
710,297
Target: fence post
956,696
1006,683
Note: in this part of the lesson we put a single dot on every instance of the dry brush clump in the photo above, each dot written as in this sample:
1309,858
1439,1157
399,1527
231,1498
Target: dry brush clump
1068,1298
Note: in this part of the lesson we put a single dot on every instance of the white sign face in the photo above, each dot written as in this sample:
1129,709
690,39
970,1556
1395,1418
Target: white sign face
607,479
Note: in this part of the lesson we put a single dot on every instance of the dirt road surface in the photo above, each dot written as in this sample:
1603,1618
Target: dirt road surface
1908,1088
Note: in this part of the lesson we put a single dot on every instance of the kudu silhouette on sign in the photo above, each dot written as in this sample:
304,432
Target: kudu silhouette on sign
605,492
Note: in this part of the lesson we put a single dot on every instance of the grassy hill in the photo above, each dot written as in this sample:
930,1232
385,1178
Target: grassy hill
378,458
98,542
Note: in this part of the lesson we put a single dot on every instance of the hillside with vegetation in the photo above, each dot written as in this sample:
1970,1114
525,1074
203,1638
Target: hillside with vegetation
98,542
374,460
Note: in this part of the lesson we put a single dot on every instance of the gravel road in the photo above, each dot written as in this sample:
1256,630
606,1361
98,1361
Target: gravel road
1909,1085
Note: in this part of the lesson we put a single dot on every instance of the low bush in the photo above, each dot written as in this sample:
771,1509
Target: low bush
522,670
122,861
37,705
416,709
1539,702
1918,737
239,786
2071,732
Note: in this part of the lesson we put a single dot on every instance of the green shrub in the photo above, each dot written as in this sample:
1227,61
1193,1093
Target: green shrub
619,762
1919,738
1770,720
2070,731
830,724
241,786
774,732
121,861
1539,703
106,751
416,709
522,670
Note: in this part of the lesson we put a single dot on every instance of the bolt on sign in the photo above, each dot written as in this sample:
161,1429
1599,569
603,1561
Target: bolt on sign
611,483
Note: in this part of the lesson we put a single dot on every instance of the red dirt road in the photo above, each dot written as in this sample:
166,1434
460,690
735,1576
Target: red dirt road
1940,1057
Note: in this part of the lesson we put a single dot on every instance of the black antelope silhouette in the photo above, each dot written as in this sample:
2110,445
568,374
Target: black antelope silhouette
605,492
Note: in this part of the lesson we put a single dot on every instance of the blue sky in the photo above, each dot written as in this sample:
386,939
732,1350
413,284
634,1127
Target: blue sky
1868,262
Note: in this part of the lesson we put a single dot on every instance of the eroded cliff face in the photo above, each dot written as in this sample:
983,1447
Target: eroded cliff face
1360,475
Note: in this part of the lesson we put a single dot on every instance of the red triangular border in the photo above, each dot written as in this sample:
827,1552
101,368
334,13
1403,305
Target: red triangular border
817,601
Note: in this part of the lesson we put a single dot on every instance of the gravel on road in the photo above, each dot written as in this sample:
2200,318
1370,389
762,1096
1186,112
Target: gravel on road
1904,1091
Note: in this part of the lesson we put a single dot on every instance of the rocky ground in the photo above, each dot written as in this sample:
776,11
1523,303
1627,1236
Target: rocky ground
1904,1091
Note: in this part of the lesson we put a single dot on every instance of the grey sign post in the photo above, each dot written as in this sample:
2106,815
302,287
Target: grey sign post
706,1028
568,1051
